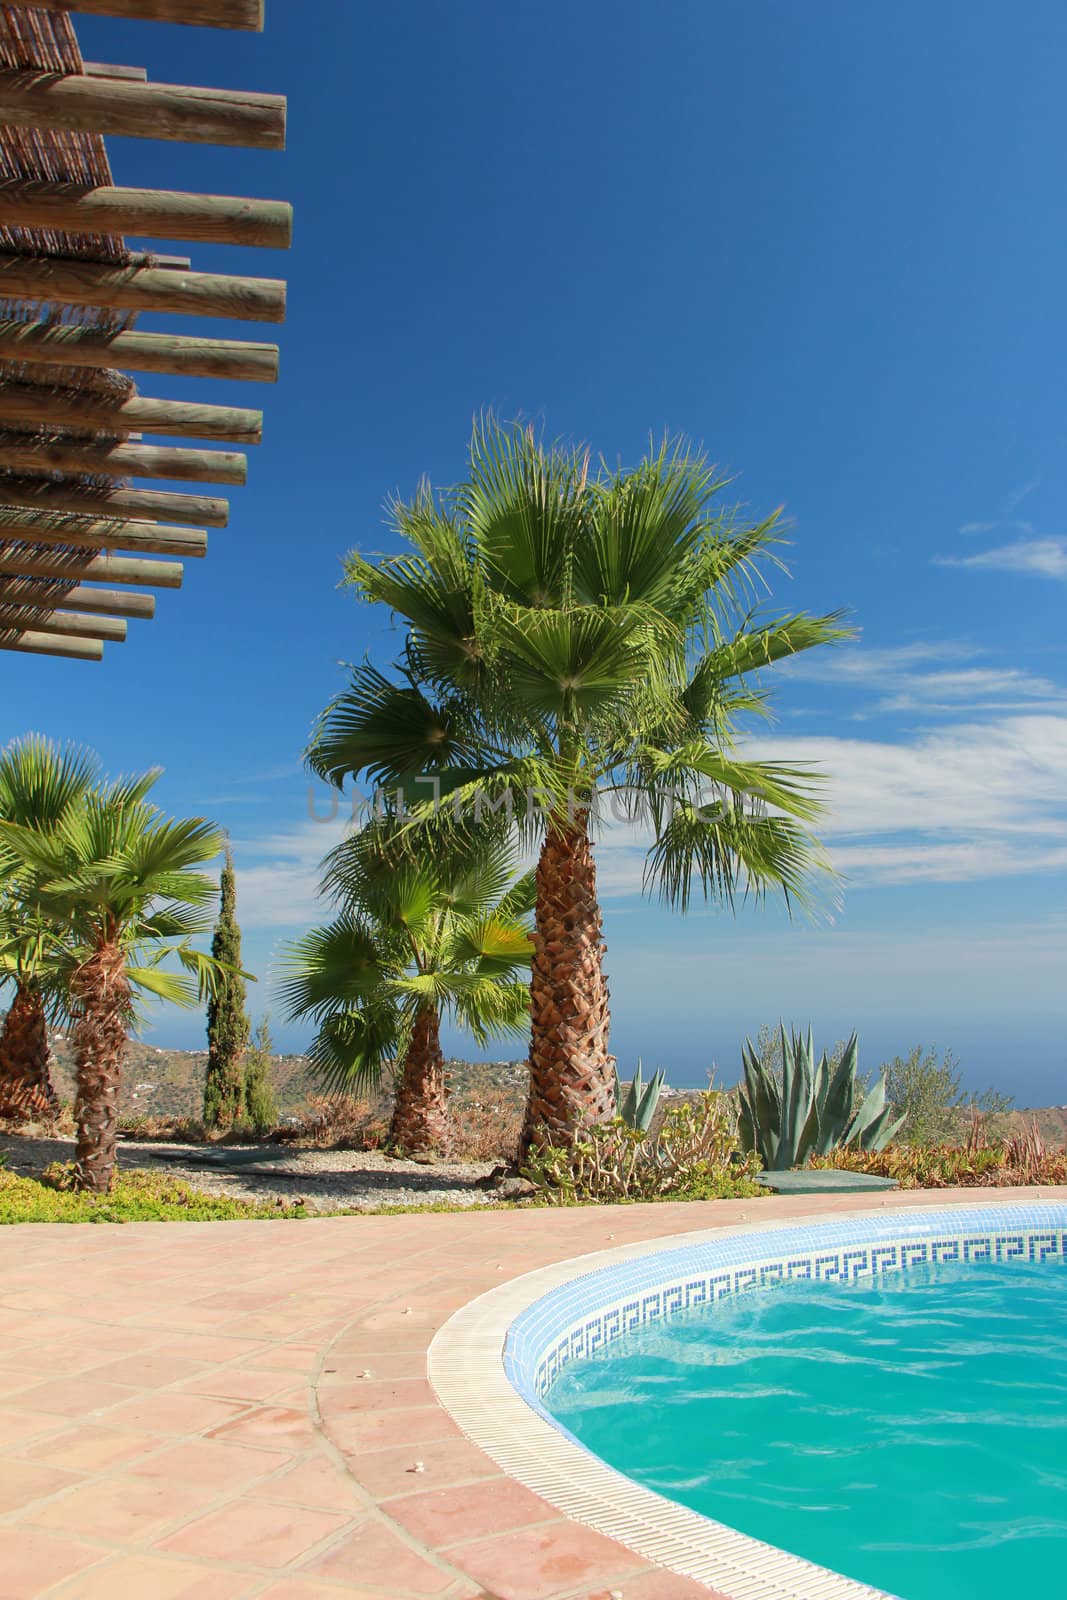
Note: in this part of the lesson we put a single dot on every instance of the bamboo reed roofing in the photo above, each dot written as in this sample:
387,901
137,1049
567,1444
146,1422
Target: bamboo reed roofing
71,420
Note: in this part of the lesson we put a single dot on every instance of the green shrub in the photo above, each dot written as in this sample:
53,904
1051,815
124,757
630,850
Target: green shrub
926,1093
1000,1164
136,1197
693,1157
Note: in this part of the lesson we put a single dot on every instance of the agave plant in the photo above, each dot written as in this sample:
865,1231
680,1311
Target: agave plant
637,1104
812,1109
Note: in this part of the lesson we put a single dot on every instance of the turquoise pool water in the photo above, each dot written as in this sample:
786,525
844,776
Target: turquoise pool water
909,1431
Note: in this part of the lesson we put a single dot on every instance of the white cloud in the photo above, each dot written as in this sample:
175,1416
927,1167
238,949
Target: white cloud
1009,775
964,803
930,676
971,801
1016,498
945,863
279,873
1035,558
977,527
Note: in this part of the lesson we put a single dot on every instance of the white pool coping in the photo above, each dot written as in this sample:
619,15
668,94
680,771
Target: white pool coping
466,1369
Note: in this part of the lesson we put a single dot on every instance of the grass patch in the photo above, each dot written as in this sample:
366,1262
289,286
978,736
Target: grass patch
136,1197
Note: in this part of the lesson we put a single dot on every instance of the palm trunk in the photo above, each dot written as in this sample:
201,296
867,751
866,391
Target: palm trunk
572,1078
103,994
26,1092
420,1115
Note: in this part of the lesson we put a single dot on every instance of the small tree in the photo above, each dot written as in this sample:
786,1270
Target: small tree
571,633
261,1107
227,1019
122,879
421,935
39,785
927,1093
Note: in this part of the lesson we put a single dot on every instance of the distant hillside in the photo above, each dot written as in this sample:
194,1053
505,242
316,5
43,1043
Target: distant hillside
170,1083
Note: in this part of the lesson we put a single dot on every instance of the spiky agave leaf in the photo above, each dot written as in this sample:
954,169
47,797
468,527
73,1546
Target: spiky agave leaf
873,1124
645,1099
837,1098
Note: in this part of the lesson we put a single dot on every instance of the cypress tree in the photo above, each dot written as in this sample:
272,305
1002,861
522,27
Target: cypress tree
227,1019
261,1107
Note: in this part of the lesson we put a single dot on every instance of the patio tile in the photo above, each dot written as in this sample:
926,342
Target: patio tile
387,1473
139,1577
255,1531
302,1589
270,1425
209,1347
314,1481
235,1383
344,1367
13,1381
374,1430
91,1449
75,1397
394,1394
175,1413
146,1371
121,1509
30,1562
286,1358
443,1517
209,1465
555,1558
22,1482
374,1549
16,1427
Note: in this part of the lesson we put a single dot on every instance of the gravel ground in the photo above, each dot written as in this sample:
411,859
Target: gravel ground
325,1180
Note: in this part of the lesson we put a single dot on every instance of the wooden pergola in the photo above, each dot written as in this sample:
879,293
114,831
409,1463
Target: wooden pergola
77,538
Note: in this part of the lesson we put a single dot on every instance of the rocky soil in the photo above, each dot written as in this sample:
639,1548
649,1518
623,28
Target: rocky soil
322,1180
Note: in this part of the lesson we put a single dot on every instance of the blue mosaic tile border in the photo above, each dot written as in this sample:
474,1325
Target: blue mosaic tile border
601,1306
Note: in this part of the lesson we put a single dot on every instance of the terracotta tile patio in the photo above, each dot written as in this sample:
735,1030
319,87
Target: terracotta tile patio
227,1410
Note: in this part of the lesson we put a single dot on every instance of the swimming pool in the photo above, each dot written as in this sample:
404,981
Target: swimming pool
908,1430
767,1457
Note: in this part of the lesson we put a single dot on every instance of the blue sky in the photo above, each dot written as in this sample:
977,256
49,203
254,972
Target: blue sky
827,241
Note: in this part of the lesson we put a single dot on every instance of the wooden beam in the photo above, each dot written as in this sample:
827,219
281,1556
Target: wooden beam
246,14
26,406
75,103
29,454
78,597
46,644
65,345
88,283
70,623
149,258
104,69
46,494
24,561
151,213
151,538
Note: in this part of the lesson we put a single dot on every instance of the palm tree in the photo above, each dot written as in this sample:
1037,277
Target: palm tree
569,632
120,875
419,936
39,783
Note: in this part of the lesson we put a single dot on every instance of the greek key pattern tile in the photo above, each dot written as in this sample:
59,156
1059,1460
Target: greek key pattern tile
565,1327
